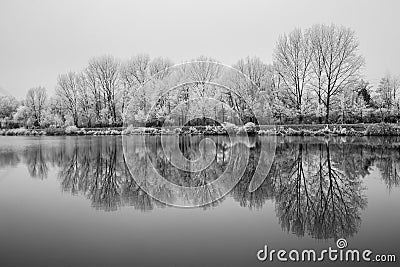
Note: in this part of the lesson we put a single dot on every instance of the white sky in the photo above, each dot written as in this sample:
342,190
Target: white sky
41,39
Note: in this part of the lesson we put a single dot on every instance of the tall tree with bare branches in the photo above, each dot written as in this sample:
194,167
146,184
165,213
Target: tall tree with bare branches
293,57
106,71
336,62
36,103
67,89
252,82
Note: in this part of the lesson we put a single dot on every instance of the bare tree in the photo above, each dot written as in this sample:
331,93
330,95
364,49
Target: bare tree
293,56
252,81
36,103
203,70
85,99
67,89
106,71
388,91
318,80
336,62
277,94
8,105
159,67
90,74
134,75
255,70
137,69
200,74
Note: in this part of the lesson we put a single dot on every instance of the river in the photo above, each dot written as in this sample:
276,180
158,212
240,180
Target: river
80,201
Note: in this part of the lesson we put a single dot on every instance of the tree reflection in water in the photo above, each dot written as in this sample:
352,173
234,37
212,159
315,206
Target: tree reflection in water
317,184
314,195
95,168
8,157
185,162
36,160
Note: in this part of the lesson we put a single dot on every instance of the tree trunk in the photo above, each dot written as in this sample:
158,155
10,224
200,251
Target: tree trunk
327,111
319,107
76,120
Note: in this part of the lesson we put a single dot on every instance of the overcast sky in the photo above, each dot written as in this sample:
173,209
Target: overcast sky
42,39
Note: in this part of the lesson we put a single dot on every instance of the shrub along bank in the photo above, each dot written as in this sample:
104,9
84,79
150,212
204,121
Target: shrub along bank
381,129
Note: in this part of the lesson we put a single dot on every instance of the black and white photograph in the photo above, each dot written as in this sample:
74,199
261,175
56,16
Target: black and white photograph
140,133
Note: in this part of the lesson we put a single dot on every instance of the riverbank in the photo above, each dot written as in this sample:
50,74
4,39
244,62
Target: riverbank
379,129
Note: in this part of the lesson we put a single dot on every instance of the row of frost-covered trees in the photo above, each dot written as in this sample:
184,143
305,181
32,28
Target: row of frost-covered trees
315,77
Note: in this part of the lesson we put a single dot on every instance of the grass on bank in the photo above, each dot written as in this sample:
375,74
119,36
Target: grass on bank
379,129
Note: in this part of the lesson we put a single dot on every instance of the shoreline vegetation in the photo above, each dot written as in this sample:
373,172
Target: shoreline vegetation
315,79
378,129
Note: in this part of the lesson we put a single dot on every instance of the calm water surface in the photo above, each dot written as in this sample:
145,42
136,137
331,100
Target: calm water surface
72,201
